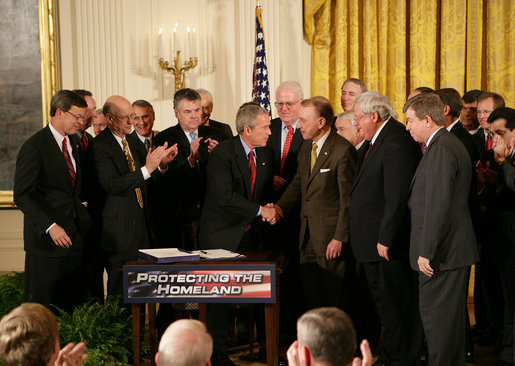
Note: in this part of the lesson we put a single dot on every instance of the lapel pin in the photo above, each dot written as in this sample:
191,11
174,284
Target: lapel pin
325,152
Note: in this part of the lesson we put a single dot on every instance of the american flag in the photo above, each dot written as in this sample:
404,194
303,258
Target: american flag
260,90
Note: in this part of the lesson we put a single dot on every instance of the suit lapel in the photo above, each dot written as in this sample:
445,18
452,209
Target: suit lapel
56,155
424,156
261,166
325,152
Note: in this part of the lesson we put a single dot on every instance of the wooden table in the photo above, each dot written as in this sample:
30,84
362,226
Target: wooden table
271,309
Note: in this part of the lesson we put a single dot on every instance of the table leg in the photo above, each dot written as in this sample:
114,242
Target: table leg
152,332
272,333
136,331
202,312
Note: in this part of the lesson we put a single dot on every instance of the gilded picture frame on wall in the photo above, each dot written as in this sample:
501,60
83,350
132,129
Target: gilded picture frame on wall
28,79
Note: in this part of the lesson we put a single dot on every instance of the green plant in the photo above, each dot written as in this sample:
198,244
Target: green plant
106,330
12,291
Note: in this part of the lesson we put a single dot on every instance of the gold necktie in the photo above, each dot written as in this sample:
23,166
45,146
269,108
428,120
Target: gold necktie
313,156
132,168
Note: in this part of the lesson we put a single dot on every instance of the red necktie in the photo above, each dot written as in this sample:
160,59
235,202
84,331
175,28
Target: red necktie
286,147
252,169
84,142
489,142
71,170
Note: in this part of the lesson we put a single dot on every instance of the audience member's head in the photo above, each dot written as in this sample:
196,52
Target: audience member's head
502,124
487,102
185,342
99,122
206,105
325,336
351,89
420,90
468,116
143,117
68,110
424,115
452,104
253,124
29,335
118,112
92,106
186,105
315,117
371,110
345,127
288,96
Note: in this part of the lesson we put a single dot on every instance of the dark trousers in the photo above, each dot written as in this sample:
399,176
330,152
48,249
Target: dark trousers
323,281
442,309
54,280
393,286
508,284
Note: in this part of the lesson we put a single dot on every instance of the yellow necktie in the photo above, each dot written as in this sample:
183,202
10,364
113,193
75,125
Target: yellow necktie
132,168
313,156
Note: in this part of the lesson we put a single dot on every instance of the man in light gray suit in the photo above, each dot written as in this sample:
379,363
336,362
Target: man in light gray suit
442,243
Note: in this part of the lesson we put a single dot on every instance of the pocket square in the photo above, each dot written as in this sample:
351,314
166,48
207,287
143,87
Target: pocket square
325,170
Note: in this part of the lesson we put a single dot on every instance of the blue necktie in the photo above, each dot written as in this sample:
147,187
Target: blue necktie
193,136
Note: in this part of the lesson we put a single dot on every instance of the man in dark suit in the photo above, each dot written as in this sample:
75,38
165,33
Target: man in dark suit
326,164
182,192
239,186
442,244
207,108
468,115
84,136
488,290
121,209
453,105
502,122
379,226
143,123
48,190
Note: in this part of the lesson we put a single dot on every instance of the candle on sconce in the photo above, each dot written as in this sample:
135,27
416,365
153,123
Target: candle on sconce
160,33
194,51
175,48
190,53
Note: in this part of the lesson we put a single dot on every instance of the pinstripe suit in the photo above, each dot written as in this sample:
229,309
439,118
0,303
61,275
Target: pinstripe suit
442,231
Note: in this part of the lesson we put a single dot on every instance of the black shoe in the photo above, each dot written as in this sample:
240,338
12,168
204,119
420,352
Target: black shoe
221,360
469,357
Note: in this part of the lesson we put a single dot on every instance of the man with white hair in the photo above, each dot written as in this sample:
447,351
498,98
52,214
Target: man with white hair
345,126
326,336
185,342
206,106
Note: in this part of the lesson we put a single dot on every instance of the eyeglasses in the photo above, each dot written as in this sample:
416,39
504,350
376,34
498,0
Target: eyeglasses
77,117
122,118
485,112
500,132
137,118
357,119
286,104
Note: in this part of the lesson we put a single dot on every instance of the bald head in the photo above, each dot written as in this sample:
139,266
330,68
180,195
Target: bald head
118,113
185,342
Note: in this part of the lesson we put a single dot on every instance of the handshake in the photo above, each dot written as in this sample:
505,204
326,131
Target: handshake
271,213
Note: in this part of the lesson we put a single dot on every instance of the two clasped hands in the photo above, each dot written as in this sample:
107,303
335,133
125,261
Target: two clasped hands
271,213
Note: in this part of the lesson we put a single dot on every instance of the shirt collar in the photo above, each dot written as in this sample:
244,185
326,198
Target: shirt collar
379,131
452,125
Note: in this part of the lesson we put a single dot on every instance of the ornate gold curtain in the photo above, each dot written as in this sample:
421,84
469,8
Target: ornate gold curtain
395,46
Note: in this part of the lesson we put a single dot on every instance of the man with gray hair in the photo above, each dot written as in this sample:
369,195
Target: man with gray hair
206,106
185,342
326,336
345,126
239,186
442,242
380,237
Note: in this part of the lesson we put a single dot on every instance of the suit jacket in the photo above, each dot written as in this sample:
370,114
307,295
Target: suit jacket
508,171
115,205
379,197
152,138
43,192
229,207
441,228
324,193
184,187
290,164
224,130
468,141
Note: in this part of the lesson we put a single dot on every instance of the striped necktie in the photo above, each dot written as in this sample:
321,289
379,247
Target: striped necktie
132,168
69,163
